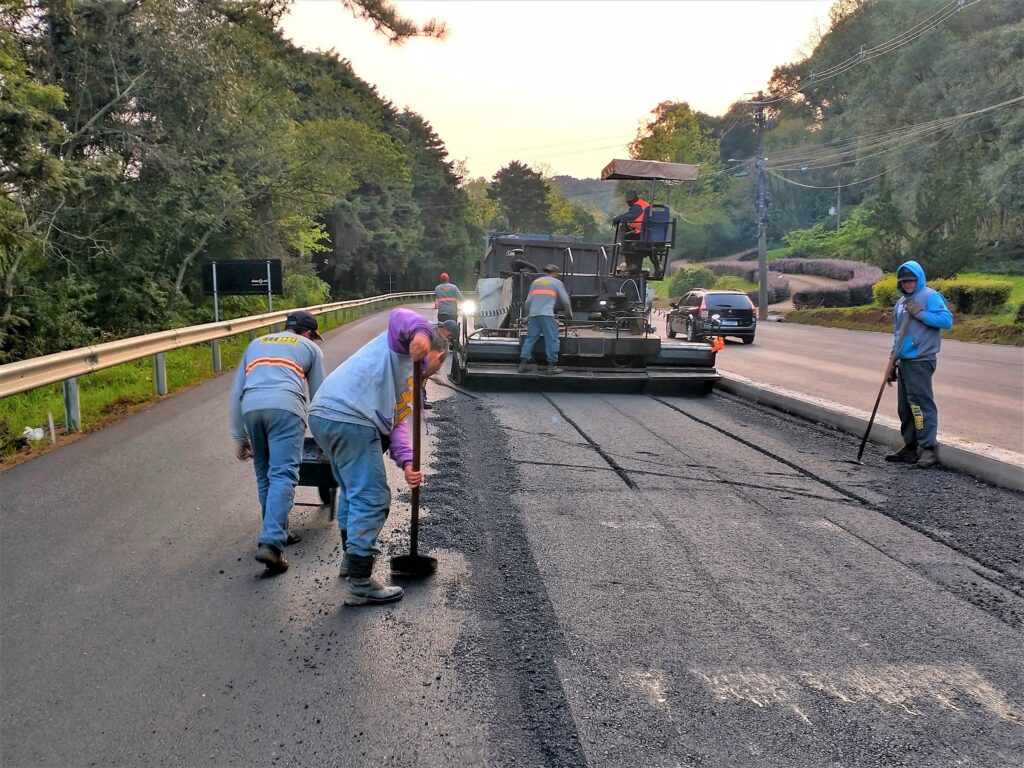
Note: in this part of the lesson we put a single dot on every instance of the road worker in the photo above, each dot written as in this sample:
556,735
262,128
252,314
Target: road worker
915,360
546,294
276,378
447,297
360,411
632,219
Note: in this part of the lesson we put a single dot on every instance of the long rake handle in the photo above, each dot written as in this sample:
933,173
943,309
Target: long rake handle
417,406
885,378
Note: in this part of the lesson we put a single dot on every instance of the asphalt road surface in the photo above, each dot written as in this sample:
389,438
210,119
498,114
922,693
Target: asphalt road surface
624,580
979,388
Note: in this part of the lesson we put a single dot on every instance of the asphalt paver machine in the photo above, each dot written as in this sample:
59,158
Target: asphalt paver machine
608,336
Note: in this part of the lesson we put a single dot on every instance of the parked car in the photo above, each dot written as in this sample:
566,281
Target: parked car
732,313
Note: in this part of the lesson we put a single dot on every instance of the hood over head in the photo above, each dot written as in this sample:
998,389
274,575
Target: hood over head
911,267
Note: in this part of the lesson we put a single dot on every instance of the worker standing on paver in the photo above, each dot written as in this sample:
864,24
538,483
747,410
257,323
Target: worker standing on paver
546,294
278,374
446,299
359,412
915,360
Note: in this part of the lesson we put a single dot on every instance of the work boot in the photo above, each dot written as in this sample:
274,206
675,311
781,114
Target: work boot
343,568
293,538
552,370
272,558
907,454
928,458
525,366
364,590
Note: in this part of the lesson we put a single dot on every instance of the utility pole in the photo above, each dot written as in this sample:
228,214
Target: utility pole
762,213
839,198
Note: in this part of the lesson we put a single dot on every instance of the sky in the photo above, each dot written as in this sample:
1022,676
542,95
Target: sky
563,85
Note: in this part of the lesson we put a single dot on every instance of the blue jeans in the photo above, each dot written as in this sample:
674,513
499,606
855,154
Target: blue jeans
537,326
276,437
364,498
919,418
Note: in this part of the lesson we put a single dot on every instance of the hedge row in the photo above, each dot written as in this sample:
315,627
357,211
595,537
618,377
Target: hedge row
858,281
965,296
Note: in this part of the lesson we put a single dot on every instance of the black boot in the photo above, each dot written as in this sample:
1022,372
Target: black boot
928,458
272,558
365,590
343,569
907,454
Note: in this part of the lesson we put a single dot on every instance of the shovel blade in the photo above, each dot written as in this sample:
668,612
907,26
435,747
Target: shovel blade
413,565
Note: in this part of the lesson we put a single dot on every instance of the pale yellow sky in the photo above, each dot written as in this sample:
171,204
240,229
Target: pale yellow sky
563,83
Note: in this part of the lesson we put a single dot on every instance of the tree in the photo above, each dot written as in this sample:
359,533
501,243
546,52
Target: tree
522,194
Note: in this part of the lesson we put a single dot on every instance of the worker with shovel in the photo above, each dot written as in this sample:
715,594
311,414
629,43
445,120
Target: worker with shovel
360,410
926,316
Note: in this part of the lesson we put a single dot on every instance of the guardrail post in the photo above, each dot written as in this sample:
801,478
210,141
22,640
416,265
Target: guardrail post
160,373
215,347
72,409
252,335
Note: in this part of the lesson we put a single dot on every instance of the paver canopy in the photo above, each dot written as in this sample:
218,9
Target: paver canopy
649,169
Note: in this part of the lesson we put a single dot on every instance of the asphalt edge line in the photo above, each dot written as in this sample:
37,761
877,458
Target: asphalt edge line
993,465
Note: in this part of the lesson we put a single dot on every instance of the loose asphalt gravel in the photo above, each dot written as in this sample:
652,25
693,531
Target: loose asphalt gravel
624,580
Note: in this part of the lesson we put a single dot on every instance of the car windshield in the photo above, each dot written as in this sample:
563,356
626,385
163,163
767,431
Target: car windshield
728,301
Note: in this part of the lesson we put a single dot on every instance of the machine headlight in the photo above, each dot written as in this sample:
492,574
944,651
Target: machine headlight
469,308
602,303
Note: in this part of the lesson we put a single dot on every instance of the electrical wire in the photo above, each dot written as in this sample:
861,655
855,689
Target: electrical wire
906,37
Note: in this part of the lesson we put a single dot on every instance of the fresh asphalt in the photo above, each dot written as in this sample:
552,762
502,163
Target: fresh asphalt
624,580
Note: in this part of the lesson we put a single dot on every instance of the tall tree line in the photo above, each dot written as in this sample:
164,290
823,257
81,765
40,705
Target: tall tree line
140,138
953,196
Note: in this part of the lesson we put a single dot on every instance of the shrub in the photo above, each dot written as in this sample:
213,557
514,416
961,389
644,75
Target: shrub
688,277
965,296
730,283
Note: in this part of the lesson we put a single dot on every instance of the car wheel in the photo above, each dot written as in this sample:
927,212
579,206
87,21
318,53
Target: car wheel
669,331
690,334
748,339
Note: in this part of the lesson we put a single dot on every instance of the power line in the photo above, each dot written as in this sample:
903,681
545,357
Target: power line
949,10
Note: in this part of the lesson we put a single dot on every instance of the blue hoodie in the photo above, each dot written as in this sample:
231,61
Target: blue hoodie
924,332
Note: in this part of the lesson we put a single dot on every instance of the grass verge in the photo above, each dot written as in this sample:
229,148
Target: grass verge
991,329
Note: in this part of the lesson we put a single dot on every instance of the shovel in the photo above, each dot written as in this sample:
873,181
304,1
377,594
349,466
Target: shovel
885,378
415,564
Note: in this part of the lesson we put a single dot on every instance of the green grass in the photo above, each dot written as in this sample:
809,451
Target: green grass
779,253
106,394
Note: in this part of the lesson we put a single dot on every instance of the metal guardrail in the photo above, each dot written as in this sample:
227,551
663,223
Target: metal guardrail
66,366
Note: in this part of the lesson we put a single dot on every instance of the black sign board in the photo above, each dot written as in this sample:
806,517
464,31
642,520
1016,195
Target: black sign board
243,277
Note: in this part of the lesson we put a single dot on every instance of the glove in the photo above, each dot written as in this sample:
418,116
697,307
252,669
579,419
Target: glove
243,451
913,307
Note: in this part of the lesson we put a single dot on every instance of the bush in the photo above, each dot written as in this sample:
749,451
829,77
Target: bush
688,277
730,283
965,296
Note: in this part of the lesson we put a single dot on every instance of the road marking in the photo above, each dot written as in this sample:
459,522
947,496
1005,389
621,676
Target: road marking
906,687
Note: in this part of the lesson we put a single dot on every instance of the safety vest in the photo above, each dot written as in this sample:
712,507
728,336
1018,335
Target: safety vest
636,224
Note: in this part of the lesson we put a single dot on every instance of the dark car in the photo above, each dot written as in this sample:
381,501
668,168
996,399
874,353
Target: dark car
697,314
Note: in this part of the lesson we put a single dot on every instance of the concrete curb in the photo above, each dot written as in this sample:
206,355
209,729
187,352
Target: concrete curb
994,465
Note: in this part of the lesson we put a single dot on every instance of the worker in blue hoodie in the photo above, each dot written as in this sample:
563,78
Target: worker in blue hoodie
915,361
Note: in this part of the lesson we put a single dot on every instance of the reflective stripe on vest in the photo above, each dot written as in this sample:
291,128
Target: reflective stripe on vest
543,292
281,361
636,224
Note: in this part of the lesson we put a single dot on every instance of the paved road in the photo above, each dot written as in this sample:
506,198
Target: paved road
624,580
979,387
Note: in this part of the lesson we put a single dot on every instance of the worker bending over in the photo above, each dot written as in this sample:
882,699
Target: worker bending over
545,295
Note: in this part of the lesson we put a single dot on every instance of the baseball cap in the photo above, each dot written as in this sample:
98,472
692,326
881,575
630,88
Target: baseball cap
301,320
553,268
449,325
631,196
444,275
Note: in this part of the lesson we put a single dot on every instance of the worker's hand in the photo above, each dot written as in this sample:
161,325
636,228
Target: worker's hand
243,451
892,376
913,307
413,477
419,346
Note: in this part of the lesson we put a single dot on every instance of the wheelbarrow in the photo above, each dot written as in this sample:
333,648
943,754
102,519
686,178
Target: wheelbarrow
315,472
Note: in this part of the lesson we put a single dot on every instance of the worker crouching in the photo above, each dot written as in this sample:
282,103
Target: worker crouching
360,411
